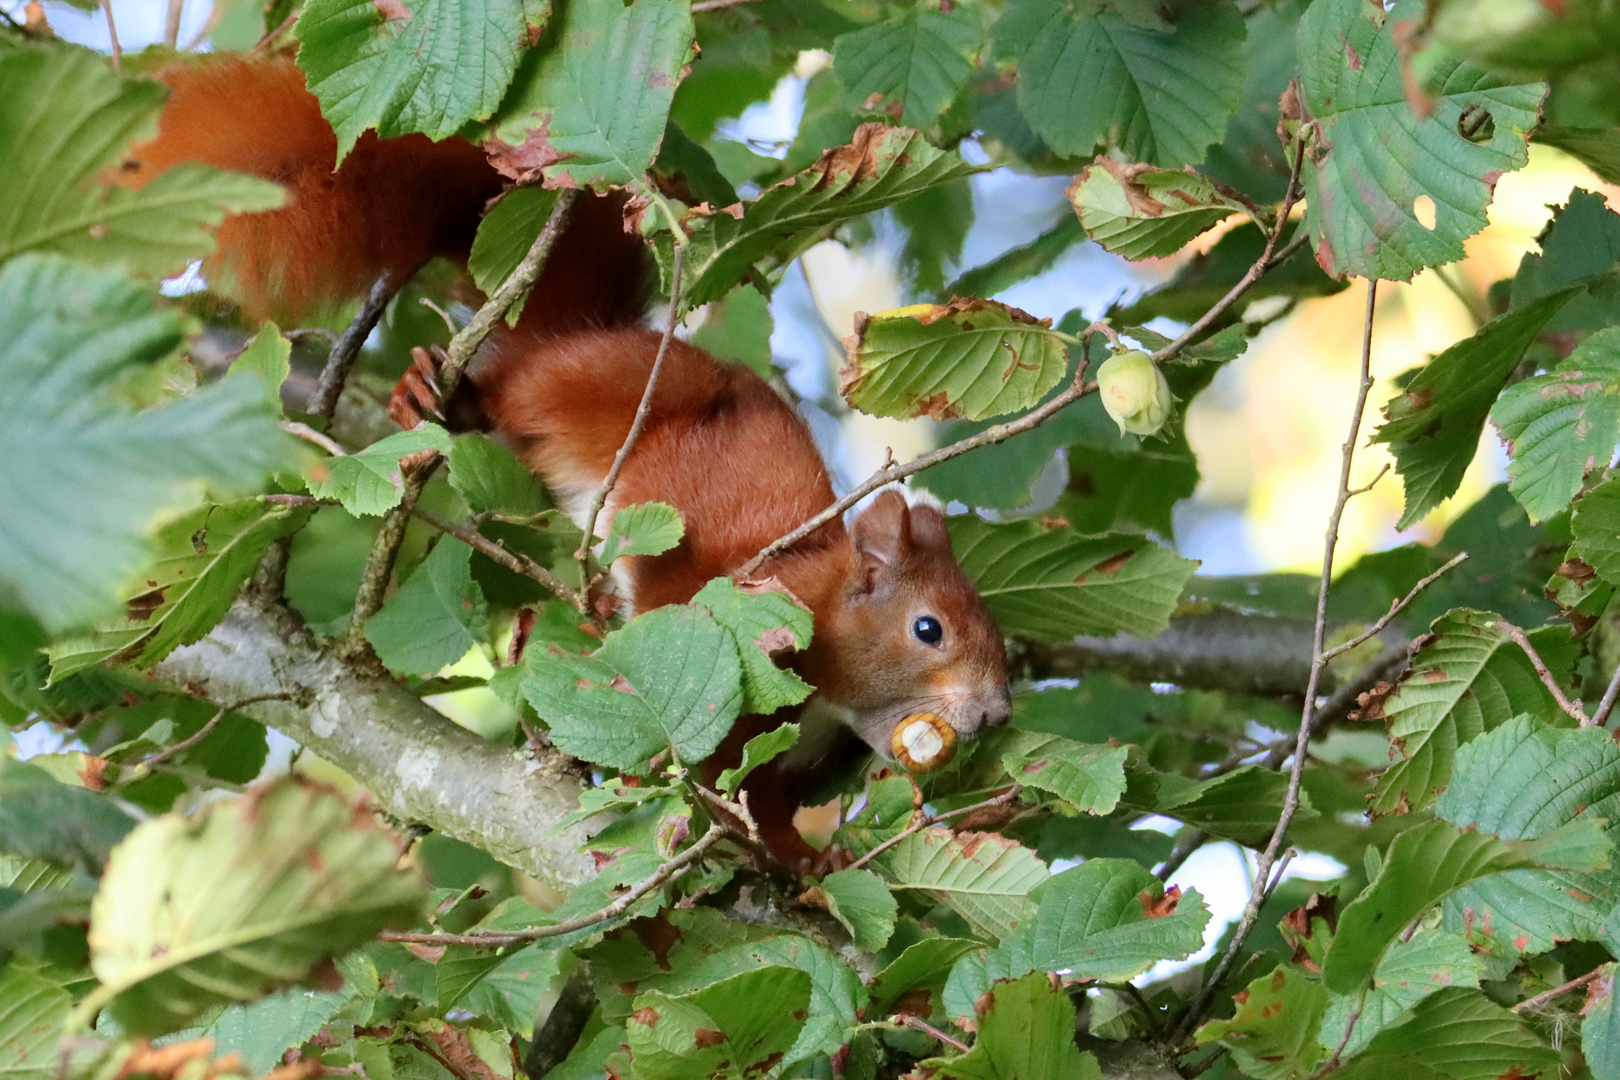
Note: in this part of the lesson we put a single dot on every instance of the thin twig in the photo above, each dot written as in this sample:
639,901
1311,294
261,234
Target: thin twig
716,5
522,278
643,410
112,35
1268,858
1331,1065
347,346
917,1023
203,732
501,939
1395,609
385,548
309,434
269,38
1181,853
1558,991
890,473
513,561
171,24
931,820
1522,640
1606,705
1264,263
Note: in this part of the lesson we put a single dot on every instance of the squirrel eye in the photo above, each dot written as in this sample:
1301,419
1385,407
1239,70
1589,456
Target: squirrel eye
926,629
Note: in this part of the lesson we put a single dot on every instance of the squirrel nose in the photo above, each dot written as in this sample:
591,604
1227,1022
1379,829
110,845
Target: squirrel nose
997,711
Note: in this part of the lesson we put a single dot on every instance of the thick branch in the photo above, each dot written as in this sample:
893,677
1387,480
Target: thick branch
1269,656
418,766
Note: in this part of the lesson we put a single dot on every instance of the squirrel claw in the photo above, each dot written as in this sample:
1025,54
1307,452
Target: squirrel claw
416,395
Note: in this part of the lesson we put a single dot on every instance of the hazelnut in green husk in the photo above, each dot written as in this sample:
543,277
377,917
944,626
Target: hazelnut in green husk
1134,392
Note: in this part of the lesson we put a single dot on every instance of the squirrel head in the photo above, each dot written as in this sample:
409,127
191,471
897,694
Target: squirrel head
913,634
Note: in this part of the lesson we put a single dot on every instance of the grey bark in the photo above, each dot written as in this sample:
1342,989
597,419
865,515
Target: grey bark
417,765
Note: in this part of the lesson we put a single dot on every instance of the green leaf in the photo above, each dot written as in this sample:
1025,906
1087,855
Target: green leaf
1019,264
937,223
756,752
589,104
1272,1035
262,1031
434,618
924,964
1375,158
267,358
1521,781
983,877
491,479
1107,919
762,623
87,477
426,66
1468,679
737,329
920,61
1433,426
891,804
1409,972
1563,425
1582,242
1049,583
1241,805
1600,1030
866,907
644,529
243,899
969,358
199,562
1423,866
1596,148
1596,526
59,823
505,236
33,1013
1089,778
882,166
369,481
1025,1032
1125,76
669,678
65,122
1456,1033
728,1030
1139,212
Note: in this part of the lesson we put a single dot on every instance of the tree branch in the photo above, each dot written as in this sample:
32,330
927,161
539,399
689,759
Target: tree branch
335,375
643,409
1263,882
1545,996
666,873
1522,640
1606,705
417,765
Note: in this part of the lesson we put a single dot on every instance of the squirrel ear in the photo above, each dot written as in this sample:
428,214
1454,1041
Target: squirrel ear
883,532
928,528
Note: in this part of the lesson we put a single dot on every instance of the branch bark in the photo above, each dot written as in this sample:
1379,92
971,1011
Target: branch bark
418,766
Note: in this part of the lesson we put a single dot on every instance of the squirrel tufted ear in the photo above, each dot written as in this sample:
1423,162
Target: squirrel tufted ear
928,528
883,531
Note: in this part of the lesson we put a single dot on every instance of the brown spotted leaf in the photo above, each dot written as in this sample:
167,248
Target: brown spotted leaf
738,1027
969,359
1139,211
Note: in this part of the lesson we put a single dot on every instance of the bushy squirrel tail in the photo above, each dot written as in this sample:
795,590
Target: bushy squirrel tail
391,206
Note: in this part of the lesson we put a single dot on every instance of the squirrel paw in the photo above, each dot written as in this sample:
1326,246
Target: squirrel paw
416,395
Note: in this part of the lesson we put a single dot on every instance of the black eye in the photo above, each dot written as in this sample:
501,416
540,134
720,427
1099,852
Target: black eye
927,630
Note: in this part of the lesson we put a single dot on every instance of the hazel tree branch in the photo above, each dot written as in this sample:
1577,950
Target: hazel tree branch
1522,640
643,410
666,873
417,765
1263,879
347,347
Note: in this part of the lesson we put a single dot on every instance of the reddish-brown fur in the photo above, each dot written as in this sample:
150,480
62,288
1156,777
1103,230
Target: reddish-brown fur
735,460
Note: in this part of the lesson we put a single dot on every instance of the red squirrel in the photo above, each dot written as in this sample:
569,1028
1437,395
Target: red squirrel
899,628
